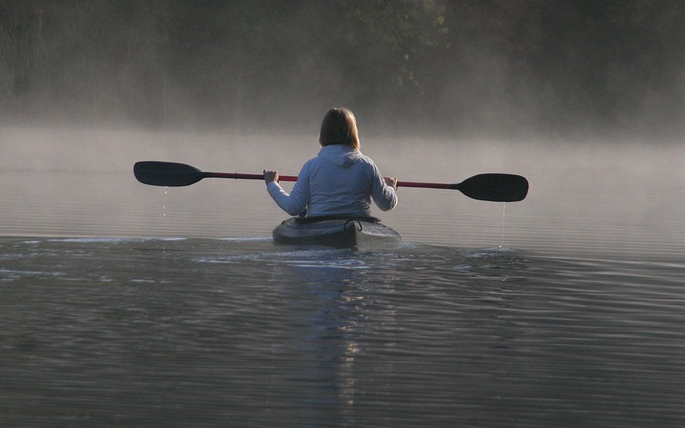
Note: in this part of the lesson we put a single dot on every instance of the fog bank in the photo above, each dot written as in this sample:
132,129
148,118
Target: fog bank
515,67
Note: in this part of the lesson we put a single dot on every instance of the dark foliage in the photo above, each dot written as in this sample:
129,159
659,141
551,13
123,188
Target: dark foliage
508,65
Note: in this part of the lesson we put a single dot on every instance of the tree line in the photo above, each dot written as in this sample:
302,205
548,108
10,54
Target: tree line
512,65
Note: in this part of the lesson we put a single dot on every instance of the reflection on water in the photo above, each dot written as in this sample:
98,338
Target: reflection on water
563,310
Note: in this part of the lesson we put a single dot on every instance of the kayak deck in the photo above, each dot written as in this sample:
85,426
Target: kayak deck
335,231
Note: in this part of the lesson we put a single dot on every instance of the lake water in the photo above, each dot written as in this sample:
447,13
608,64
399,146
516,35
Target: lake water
130,305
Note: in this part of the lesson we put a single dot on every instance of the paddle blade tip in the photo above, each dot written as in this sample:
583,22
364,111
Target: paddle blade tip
516,189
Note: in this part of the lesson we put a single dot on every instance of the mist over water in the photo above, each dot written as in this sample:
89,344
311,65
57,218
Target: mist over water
584,196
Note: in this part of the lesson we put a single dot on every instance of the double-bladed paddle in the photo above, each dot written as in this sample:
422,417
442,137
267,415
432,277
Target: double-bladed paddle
485,187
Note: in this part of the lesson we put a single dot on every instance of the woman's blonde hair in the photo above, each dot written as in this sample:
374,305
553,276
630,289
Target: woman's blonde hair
339,127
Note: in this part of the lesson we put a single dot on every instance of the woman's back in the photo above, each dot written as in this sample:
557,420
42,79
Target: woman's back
340,180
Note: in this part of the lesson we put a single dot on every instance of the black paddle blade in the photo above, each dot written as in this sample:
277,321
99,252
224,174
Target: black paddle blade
495,187
169,174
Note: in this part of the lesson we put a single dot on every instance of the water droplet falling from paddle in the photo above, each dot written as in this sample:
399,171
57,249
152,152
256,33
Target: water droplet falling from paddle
504,216
166,192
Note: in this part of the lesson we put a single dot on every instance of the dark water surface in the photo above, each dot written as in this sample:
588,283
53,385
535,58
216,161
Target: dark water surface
125,305
177,333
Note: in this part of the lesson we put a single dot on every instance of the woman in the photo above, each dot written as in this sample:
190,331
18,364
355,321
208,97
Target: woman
340,180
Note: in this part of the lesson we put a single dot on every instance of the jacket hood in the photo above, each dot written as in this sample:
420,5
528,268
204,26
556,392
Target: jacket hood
340,154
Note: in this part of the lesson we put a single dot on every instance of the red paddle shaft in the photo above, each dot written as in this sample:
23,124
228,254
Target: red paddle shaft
236,175
239,176
425,185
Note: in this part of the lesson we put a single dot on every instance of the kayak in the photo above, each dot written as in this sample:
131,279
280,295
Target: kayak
335,231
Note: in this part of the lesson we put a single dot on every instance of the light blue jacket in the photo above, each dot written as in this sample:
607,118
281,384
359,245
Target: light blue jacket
340,180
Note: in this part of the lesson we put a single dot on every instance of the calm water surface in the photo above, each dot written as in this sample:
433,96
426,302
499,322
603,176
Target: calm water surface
127,305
